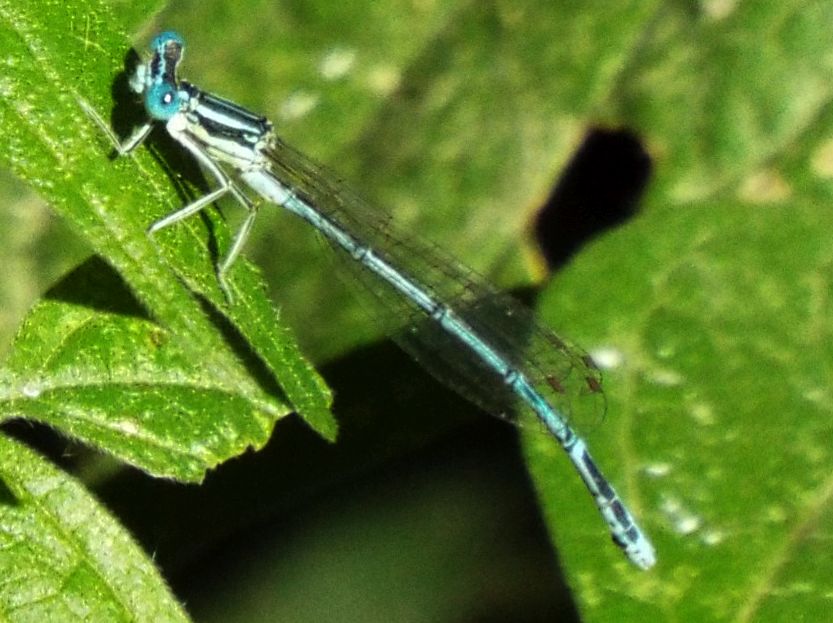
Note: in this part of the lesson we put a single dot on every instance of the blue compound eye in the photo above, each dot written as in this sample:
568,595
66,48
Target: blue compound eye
162,101
163,38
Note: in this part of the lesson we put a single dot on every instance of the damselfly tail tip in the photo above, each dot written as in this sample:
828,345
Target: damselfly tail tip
640,552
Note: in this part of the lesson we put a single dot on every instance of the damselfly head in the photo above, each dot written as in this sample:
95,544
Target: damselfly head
156,80
165,40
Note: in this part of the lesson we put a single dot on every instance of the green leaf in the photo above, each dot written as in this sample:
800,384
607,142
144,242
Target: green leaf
63,556
716,304
89,363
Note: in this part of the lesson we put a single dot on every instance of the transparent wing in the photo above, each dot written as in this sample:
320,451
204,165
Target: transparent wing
563,373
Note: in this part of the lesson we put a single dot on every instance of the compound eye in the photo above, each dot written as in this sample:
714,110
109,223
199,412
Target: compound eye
164,39
162,101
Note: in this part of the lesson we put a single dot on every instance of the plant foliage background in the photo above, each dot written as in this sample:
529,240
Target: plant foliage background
711,309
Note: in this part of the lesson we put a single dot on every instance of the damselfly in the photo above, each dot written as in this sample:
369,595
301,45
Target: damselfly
479,341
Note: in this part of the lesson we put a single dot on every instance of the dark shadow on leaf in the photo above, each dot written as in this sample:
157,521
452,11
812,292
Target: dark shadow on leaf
97,285
241,347
7,496
600,189
128,112
67,454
